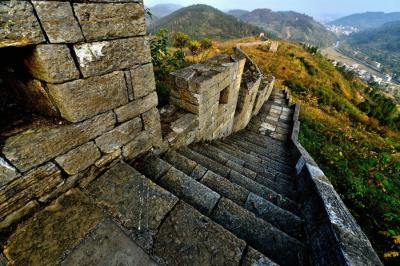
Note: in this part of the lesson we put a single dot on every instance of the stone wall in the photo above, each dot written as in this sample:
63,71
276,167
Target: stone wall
334,235
88,76
221,95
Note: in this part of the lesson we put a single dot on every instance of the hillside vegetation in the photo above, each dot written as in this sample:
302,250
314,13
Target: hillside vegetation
359,153
367,20
289,25
381,44
201,21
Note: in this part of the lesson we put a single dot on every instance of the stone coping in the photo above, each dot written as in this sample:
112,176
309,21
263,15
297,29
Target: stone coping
335,236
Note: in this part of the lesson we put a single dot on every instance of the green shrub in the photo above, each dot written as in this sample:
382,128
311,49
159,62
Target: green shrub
195,47
164,63
206,43
295,86
310,69
180,40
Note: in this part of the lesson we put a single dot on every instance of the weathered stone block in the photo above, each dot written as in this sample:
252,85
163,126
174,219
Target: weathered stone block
190,238
137,107
61,188
119,136
137,202
140,144
84,98
102,57
224,187
152,125
58,21
110,21
19,26
253,257
52,63
107,159
108,245
54,230
36,146
193,192
7,172
37,98
143,81
33,184
79,158
18,215
128,80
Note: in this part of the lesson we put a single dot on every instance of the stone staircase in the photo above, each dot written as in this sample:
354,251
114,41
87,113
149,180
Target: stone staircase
234,201
244,185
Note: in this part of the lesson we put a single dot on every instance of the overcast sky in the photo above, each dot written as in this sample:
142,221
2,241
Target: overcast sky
311,7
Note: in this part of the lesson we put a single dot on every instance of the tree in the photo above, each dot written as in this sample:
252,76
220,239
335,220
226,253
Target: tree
180,40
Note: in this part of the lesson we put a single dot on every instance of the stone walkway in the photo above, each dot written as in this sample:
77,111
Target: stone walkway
229,202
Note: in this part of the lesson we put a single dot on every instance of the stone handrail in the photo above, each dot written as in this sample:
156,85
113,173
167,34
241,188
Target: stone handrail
334,235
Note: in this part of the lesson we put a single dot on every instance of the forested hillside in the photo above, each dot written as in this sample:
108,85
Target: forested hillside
357,148
200,21
381,44
290,25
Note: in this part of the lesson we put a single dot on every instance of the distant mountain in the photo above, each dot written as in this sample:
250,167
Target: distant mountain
381,44
368,20
199,21
290,25
237,12
163,10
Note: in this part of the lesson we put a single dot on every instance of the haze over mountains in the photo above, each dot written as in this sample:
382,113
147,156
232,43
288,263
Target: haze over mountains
288,25
162,10
205,21
368,20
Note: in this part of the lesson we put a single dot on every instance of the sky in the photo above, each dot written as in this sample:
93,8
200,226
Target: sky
310,7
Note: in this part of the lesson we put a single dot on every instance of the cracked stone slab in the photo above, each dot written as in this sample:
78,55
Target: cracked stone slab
54,231
138,203
190,238
108,245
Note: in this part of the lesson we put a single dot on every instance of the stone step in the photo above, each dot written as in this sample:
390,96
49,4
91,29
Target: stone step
281,178
180,184
287,222
216,207
250,147
276,150
252,157
267,239
264,141
249,184
249,169
224,170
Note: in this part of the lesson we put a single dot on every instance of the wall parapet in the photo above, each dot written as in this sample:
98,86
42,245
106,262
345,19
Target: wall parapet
334,235
222,94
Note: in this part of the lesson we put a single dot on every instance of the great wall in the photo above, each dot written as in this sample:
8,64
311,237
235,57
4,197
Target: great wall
99,176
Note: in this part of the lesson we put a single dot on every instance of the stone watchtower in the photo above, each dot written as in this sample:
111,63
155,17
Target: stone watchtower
78,94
